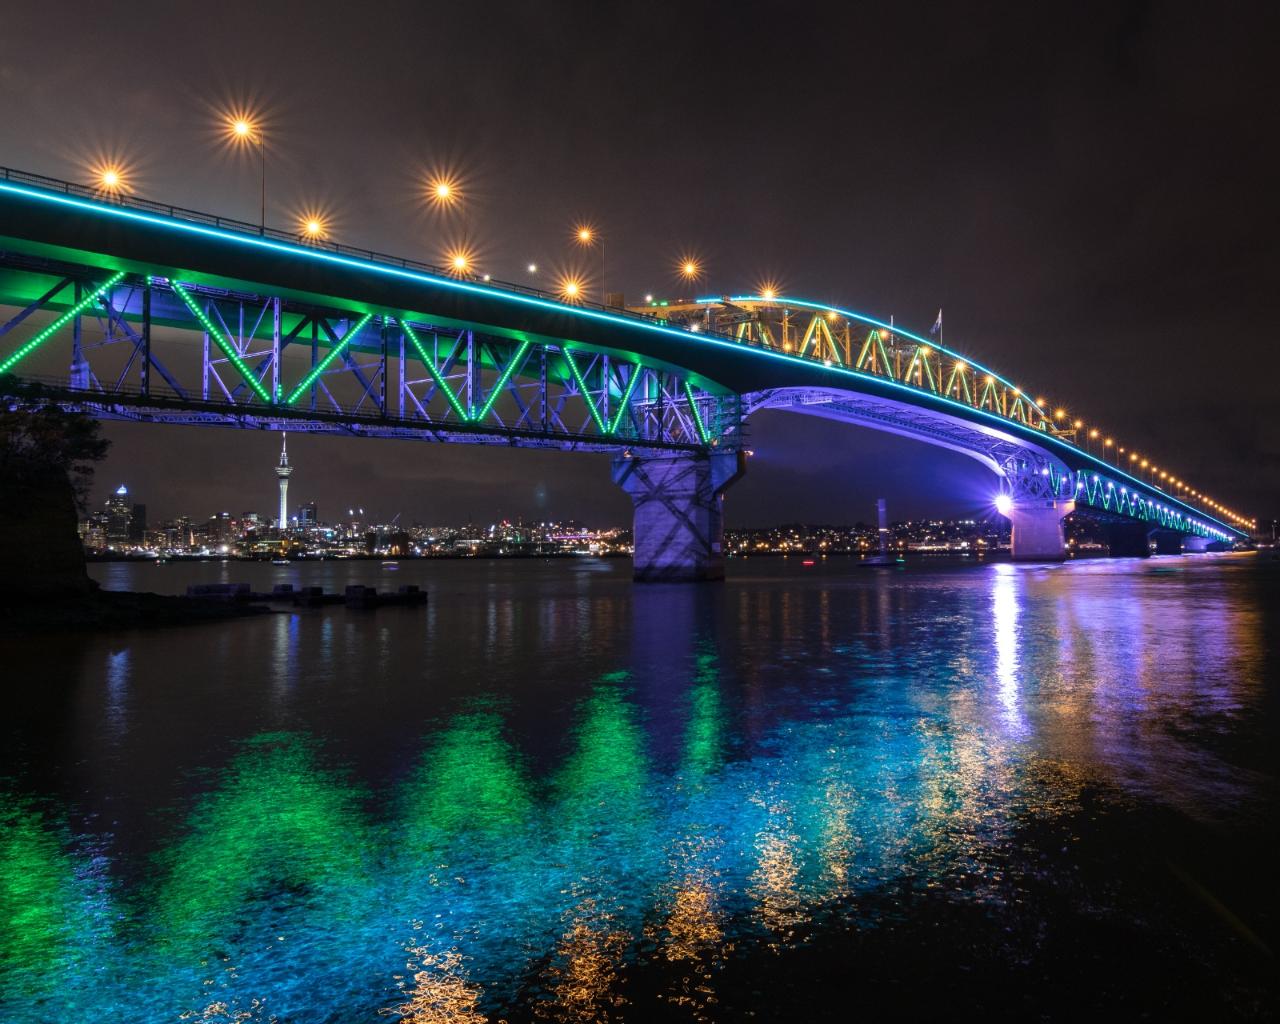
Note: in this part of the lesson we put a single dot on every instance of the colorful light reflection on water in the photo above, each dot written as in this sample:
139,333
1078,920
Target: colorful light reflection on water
497,807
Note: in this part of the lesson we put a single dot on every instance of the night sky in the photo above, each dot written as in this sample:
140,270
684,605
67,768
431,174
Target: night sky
1088,193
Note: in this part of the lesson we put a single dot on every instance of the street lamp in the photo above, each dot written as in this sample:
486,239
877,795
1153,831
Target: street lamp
313,227
443,191
459,262
571,289
110,178
243,130
587,237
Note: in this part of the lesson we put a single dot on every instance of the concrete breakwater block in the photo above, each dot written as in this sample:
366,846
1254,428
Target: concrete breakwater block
223,591
357,596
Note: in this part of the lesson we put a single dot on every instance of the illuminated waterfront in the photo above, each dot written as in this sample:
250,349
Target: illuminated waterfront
553,794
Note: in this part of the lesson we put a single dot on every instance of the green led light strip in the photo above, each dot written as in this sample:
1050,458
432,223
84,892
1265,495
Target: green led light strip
224,343
697,416
626,397
430,364
320,367
502,381
62,321
582,387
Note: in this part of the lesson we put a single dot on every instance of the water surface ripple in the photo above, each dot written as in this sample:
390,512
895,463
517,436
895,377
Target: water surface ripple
553,795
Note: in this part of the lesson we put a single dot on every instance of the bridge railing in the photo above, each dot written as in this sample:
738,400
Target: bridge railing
99,195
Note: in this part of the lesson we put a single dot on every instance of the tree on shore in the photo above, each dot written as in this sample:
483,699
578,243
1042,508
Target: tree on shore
47,458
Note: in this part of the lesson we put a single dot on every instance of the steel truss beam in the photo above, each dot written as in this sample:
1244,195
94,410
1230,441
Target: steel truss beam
458,386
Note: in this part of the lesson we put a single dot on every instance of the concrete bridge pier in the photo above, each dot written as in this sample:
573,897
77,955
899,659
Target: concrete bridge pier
1168,542
1193,543
1037,530
1129,540
678,524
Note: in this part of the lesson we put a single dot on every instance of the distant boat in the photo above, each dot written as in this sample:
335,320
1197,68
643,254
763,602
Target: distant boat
391,565
280,561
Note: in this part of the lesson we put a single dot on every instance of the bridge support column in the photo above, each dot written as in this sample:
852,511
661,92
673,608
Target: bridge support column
1168,542
1129,540
1192,543
1037,530
678,527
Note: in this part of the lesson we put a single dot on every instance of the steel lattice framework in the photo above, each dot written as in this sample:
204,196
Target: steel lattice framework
270,362
180,317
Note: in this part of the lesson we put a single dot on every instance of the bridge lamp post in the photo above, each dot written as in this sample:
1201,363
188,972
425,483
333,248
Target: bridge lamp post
245,132
691,271
587,236
312,227
459,262
571,290
111,179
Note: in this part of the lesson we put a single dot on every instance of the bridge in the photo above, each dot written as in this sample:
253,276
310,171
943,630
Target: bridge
135,310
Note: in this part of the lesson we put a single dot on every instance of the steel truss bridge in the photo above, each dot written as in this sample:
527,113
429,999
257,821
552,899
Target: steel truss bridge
139,311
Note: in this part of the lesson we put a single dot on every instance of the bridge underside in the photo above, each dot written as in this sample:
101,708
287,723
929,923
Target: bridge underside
1038,490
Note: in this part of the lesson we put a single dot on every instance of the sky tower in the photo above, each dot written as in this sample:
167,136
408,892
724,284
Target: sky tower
282,473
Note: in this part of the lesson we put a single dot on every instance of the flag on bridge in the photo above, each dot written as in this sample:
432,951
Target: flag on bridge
937,324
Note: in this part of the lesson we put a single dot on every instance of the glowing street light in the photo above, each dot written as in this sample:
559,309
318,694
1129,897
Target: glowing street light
110,178
571,289
313,227
691,271
443,191
1004,504
459,262
244,130
588,237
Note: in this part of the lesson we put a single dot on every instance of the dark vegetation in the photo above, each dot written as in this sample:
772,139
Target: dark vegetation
47,458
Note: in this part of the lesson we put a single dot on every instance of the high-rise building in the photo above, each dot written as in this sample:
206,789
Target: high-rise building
308,516
283,470
138,523
119,515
